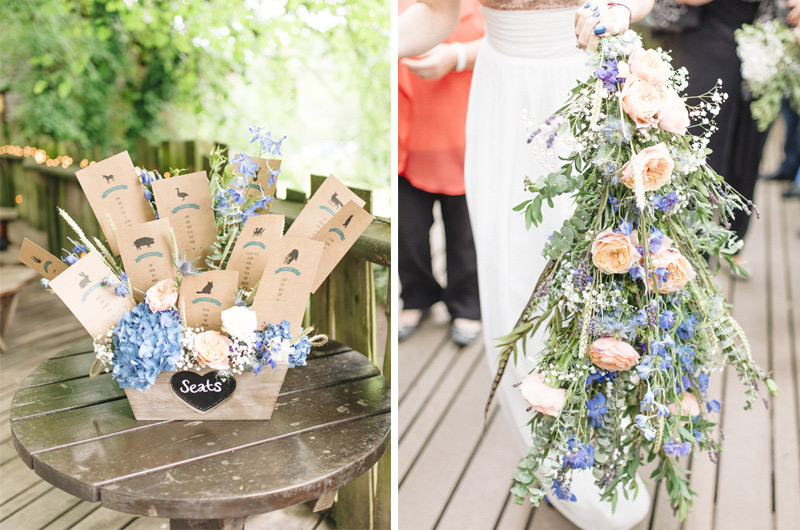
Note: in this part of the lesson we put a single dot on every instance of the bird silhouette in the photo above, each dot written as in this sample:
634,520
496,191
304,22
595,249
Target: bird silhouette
84,280
35,259
258,231
347,222
291,256
181,194
207,288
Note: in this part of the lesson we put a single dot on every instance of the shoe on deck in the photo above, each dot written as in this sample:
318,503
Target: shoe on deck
464,331
408,322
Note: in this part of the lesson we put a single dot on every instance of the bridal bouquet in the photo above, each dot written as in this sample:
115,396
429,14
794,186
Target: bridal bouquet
770,57
633,322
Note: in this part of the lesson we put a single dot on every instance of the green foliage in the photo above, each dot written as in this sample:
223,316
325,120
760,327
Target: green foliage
103,73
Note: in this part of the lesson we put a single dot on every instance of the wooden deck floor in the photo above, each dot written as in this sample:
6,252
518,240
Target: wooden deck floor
42,326
454,475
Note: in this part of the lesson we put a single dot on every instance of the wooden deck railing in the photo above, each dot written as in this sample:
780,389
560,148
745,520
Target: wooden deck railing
344,307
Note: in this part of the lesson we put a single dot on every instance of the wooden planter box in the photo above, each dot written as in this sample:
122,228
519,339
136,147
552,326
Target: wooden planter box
253,398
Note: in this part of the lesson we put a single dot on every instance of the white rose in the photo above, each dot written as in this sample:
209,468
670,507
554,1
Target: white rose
239,322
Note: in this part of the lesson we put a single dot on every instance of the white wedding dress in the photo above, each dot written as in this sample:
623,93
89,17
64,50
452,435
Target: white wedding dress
527,64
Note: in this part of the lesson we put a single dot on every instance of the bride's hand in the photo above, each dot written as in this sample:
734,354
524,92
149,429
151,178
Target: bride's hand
592,23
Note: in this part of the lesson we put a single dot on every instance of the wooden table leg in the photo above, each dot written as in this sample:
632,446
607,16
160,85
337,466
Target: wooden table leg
236,523
323,503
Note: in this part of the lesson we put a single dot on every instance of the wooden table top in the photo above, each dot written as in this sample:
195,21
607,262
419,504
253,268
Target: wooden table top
330,425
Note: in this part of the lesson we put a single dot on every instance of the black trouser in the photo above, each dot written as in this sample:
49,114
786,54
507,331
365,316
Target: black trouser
709,53
420,290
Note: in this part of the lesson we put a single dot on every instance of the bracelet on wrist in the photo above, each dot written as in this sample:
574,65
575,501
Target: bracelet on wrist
461,56
614,4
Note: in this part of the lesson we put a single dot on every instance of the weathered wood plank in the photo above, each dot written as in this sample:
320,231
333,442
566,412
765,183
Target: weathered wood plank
418,350
41,400
19,501
515,515
58,369
151,523
548,518
42,510
436,464
445,368
427,421
15,477
42,433
663,517
747,503
479,499
82,469
783,355
81,346
105,519
73,515
250,481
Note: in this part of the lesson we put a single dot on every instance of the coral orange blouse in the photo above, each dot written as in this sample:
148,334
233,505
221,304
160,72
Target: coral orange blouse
432,115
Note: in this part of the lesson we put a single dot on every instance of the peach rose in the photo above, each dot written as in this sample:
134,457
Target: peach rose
689,406
680,271
614,253
541,397
162,296
656,166
649,66
212,349
613,355
672,114
640,100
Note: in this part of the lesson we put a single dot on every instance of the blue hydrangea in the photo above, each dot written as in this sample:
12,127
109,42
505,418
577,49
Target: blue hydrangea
270,342
145,344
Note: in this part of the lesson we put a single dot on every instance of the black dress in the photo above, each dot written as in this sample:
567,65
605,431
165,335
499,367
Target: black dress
709,53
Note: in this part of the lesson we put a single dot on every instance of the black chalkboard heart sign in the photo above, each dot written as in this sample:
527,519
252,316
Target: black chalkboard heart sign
202,392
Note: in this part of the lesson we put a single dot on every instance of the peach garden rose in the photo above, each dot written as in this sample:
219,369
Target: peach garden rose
649,66
688,404
614,252
162,296
541,397
612,354
672,114
212,349
640,100
656,164
679,270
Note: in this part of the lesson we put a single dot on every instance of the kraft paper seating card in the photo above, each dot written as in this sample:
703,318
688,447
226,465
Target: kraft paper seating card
331,197
113,189
286,283
146,251
186,201
97,306
339,234
259,235
40,260
265,168
205,296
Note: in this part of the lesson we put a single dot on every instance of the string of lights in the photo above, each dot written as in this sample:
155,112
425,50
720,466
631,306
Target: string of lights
40,156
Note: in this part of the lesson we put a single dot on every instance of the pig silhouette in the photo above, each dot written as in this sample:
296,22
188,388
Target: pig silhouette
143,242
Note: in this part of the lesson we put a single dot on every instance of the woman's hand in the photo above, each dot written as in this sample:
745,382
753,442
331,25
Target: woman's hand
435,64
592,23
794,15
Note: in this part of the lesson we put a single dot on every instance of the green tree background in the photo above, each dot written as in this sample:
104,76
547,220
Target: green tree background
102,73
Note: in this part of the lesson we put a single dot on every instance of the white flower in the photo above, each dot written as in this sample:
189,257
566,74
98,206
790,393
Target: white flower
239,322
